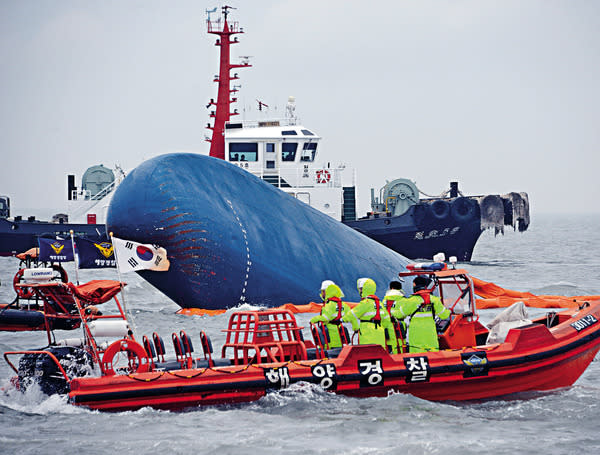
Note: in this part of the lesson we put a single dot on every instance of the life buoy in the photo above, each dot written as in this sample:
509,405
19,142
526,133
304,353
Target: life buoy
22,292
323,176
134,351
62,272
464,209
440,209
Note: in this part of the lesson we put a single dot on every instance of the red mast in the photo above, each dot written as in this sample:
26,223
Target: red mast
224,99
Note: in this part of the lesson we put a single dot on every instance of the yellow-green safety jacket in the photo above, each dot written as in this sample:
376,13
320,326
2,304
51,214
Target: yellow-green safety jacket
374,327
389,300
420,308
332,313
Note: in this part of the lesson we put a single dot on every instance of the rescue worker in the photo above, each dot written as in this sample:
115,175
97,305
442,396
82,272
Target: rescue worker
371,319
332,312
394,294
419,310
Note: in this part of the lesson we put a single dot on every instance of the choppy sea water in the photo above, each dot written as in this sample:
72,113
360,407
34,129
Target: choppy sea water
557,255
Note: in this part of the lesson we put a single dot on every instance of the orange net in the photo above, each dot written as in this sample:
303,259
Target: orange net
199,312
493,296
311,307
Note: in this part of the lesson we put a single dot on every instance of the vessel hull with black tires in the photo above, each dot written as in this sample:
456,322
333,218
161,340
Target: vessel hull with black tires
427,229
449,225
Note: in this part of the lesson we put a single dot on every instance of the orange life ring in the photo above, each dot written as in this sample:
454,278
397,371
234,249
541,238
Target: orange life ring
22,291
133,349
323,176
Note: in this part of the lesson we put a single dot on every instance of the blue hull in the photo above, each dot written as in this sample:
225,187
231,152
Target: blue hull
419,234
19,236
232,238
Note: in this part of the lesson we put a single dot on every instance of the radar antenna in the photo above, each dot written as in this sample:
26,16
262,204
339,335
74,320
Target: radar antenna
209,12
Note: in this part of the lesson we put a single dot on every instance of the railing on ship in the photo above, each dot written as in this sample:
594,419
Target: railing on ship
86,202
294,178
263,123
86,195
217,26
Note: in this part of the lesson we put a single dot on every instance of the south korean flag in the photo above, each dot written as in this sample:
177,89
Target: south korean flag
132,256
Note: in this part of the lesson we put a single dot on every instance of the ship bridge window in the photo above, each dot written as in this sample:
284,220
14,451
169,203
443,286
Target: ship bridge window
307,133
243,151
309,150
289,133
288,151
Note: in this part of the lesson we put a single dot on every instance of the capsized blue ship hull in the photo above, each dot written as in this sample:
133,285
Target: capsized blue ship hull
232,238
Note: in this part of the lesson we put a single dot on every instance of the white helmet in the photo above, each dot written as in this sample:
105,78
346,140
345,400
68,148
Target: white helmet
326,283
361,282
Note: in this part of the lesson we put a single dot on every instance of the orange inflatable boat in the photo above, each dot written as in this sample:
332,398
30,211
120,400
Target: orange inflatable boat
267,350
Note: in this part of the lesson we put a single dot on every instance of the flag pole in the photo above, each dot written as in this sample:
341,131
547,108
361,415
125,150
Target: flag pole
121,283
76,257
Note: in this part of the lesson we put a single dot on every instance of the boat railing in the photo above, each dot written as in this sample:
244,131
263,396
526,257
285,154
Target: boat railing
86,195
296,177
49,354
265,336
85,202
104,191
217,26
272,122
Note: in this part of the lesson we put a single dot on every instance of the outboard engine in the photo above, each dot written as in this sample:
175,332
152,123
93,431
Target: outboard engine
41,369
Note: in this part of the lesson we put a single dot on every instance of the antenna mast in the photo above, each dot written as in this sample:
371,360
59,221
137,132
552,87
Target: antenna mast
222,112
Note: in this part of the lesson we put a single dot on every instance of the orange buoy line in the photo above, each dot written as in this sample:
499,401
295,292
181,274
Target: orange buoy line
491,296
200,312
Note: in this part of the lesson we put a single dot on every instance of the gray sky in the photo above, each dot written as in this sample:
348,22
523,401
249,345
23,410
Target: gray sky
500,95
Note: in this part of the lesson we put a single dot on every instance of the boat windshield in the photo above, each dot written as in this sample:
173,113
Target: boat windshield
288,151
455,292
309,150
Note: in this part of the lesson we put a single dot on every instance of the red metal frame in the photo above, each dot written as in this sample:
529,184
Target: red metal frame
266,336
57,297
49,354
222,113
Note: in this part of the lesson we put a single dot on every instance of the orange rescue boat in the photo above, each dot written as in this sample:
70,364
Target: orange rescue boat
266,350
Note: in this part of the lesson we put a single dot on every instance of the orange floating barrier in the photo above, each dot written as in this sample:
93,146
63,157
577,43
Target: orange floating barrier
200,312
493,296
